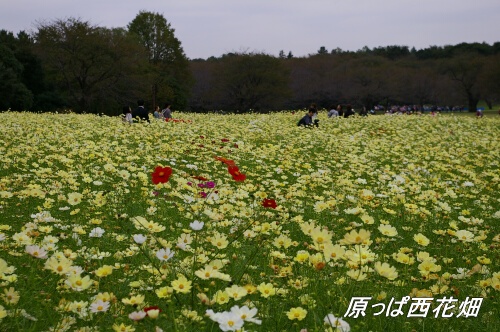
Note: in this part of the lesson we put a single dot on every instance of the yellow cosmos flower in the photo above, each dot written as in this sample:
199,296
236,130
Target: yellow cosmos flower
302,256
10,296
220,241
426,267
76,282
297,313
123,328
333,252
236,292
74,198
321,236
388,230
3,312
355,237
164,292
385,270
60,265
104,271
266,290
421,239
367,219
134,300
221,297
403,258
181,285
484,260
105,297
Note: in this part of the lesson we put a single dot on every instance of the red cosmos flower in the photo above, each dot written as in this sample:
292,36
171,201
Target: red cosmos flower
235,173
161,174
269,203
201,178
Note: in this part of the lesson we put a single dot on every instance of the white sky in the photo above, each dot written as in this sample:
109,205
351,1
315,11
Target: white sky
214,27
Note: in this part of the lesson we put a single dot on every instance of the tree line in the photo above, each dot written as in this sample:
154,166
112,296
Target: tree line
73,64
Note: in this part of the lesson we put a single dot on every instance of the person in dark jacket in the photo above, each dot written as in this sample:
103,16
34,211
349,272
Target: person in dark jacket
307,120
348,112
141,111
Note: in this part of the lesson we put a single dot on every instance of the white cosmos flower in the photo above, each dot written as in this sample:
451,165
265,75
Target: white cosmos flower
139,238
96,232
338,323
229,321
137,315
246,314
164,254
196,225
99,306
36,251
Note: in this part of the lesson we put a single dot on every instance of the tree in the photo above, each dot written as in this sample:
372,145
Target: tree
465,71
15,95
89,64
322,50
490,80
169,77
252,82
15,72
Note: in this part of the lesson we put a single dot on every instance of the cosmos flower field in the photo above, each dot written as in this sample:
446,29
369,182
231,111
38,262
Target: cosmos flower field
249,223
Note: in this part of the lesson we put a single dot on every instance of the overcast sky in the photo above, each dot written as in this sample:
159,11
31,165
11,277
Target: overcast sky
214,27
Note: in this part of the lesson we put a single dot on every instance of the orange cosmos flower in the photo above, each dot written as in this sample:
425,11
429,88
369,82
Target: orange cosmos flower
226,161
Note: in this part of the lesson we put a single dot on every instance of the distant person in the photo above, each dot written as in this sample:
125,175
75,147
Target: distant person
340,110
348,111
157,113
363,112
333,113
140,111
127,114
307,120
167,112
479,113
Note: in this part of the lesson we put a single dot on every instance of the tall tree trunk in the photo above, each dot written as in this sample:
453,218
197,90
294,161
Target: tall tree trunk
473,101
489,103
155,92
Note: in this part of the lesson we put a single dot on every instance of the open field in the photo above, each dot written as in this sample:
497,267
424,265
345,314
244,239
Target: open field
261,225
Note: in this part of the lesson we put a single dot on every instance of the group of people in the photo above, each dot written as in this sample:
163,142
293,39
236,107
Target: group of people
142,113
310,119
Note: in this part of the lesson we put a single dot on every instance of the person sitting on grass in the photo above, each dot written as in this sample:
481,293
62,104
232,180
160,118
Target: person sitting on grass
307,120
